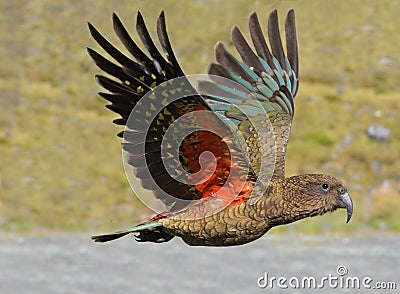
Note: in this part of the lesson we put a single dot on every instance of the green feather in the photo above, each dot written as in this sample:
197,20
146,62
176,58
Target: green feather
288,82
277,65
247,69
270,82
289,68
265,90
265,65
257,96
220,107
232,91
239,80
280,78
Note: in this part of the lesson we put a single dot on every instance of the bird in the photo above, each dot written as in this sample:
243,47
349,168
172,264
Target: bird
221,171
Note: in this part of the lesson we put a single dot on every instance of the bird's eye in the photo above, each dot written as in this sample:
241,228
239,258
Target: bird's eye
325,187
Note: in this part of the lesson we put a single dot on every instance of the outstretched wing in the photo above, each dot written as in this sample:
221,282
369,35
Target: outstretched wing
149,120
264,110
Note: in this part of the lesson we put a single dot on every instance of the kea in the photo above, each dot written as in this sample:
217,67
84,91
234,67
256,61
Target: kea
212,150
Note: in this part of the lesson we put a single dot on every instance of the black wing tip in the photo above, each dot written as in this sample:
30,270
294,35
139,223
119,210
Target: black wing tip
91,27
273,19
253,20
235,30
219,49
219,45
94,32
100,79
117,23
115,18
274,12
161,26
253,14
161,21
140,24
93,54
212,67
290,16
139,18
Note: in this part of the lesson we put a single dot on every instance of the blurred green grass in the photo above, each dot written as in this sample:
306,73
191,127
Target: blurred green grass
60,161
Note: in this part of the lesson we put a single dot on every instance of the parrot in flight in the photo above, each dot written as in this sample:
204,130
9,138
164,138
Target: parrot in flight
221,172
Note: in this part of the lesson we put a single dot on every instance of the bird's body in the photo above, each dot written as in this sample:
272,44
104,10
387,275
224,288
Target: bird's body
242,192
206,224
239,223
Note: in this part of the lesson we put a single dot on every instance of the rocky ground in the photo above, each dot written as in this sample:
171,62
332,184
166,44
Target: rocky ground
73,264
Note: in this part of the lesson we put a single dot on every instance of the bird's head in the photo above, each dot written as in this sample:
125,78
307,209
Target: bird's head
316,194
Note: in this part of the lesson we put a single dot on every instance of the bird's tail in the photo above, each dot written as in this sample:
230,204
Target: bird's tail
143,229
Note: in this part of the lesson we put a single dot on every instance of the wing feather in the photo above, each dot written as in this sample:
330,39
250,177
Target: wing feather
146,128
275,40
166,45
270,79
259,42
243,48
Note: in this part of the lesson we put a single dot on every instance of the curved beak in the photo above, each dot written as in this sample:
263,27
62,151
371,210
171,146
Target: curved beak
348,204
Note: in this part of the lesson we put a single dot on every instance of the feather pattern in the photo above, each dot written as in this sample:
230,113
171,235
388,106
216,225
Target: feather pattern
269,80
146,128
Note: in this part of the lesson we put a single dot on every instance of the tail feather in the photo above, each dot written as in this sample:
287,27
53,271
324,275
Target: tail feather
116,235
109,237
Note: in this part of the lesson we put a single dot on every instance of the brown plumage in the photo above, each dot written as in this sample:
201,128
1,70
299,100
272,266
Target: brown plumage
285,201
246,193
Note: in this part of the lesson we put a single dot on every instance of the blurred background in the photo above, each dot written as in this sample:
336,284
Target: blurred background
60,159
61,167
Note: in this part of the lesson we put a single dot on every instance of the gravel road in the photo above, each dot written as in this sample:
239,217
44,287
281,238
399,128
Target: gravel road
73,264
